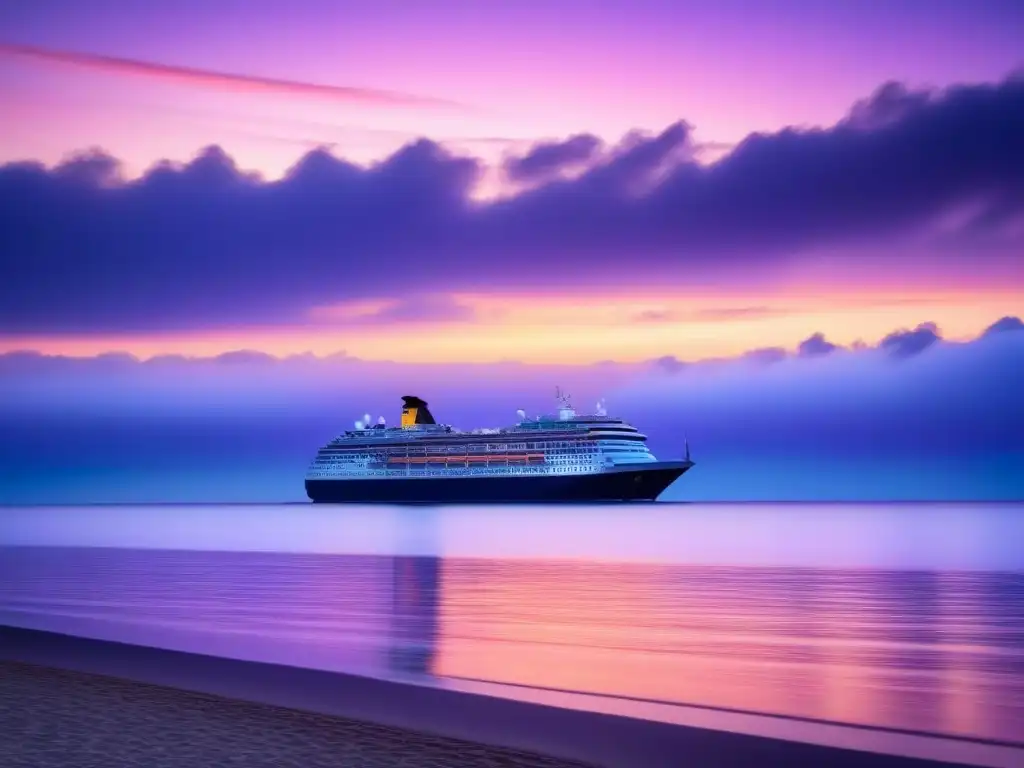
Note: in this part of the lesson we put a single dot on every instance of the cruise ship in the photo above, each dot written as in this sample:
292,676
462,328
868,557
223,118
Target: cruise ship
560,457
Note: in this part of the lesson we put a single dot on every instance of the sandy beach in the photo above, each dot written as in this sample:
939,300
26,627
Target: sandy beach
78,702
53,718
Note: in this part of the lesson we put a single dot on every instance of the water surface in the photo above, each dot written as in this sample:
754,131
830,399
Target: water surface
901,616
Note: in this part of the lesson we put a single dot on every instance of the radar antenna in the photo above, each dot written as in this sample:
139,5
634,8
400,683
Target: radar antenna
562,397
565,409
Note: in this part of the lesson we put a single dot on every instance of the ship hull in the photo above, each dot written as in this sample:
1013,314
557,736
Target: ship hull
640,482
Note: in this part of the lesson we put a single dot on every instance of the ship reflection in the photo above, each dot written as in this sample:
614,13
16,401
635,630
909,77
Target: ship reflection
368,614
414,614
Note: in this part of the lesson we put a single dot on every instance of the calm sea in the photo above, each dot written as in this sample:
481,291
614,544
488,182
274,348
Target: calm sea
907,616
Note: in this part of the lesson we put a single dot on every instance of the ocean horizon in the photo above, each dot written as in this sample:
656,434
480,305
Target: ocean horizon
124,479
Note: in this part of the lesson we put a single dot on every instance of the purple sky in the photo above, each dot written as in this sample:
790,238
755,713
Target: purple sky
648,177
524,70
418,193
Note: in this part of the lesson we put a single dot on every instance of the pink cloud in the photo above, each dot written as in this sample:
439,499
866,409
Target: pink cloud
225,80
711,313
428,308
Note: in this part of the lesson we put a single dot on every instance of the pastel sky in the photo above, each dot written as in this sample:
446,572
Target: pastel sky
547,182
512,71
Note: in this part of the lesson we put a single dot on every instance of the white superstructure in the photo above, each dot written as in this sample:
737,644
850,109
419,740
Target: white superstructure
565,443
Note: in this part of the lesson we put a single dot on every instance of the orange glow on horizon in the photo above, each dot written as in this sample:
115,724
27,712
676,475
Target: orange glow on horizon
570,330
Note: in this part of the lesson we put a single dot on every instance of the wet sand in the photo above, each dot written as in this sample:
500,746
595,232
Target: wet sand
68,701
56,718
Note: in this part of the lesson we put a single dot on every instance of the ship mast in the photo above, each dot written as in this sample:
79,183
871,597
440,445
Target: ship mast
565,409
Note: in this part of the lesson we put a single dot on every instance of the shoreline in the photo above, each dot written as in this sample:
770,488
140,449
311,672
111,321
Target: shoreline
55,717
63,668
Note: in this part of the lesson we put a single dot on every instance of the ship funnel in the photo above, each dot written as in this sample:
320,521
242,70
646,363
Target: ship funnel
381,421
415,411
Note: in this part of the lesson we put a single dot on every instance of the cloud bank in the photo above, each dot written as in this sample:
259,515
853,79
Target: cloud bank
904,420
206,244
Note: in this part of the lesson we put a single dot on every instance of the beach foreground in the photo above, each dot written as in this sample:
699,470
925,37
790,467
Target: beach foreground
57,718
71,701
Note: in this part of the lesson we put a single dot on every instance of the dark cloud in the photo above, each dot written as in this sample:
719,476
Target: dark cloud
669,364
548,158
1005,324
638,163
816,346
900,344
205,245
889,104
904,343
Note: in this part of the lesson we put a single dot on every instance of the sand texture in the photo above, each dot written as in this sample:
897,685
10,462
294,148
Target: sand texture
51,718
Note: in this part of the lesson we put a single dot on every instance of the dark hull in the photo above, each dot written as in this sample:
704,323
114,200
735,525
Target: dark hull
642,482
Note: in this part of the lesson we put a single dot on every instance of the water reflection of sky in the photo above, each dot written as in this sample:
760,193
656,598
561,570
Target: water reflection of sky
936,651
960,536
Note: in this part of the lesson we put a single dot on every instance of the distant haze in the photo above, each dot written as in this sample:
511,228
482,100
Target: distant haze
914,417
